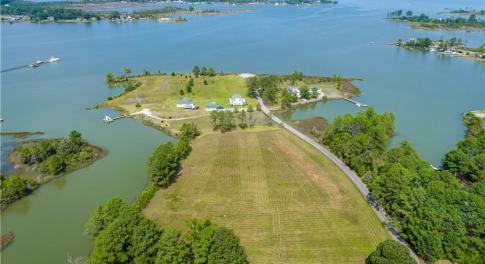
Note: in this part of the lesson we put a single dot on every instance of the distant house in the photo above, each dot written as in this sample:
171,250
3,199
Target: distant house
246,75
213,107
50,18
294,91
186,103
237,100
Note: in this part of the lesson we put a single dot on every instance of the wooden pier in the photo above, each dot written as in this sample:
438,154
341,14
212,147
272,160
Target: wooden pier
355,102
108,119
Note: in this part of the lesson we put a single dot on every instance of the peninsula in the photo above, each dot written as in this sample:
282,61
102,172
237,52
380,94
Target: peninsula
453,47
167,100
422,21
39,161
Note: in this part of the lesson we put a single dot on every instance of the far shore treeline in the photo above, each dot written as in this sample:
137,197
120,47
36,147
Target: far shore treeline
472,22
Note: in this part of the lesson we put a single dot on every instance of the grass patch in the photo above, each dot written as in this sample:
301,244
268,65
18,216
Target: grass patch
161,93
286,201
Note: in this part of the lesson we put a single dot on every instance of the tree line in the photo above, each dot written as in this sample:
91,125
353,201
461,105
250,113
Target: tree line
226,121
164,163
121,234
452,22
435,210
41,11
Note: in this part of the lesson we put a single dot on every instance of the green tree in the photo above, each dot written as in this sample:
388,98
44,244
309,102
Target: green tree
173,249
127,72
143,244
243,120
13,188
481,49
390,252
110,77
201,237
253,86
183,148
163,164
75,137
226,248
211,72
296,76
107,213
196,71
189,131
55,165
305,92
111,246
286,100
203,71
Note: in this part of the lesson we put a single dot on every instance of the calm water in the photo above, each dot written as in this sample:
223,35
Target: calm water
427,93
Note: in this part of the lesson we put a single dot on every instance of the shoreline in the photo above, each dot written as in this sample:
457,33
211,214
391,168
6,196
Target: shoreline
434,27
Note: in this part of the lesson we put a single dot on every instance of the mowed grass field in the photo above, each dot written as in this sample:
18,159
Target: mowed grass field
286,201
160,93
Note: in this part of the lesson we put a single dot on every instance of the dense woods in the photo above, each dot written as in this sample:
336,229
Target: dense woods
121,234
440,216
360,141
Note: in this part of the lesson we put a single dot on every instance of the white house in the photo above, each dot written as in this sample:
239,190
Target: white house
213,107
186,103
294,91
246,75
237,100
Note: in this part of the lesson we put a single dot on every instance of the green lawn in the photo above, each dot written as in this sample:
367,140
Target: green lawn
160,93
286,201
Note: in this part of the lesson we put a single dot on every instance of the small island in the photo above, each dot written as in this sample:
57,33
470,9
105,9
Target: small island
167,100
39,161
453,47
422,21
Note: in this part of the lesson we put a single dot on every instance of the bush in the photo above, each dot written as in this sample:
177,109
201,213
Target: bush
55,165
390,252
145,196
189,131
13,188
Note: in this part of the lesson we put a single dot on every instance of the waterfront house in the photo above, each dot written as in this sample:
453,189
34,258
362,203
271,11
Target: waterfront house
186,103
237,100
294,91
212,106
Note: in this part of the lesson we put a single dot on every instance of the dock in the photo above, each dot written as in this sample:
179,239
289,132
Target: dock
109,119
355,102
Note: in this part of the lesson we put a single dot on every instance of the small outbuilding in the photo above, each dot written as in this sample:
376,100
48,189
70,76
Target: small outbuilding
186,103
212,106
294,91
237,100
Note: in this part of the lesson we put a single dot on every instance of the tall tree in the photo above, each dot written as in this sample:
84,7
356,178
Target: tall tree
390,252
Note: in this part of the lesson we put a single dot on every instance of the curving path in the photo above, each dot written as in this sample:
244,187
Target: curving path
346,170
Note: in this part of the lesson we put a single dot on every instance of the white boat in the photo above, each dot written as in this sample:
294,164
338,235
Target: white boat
53,59
108,119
